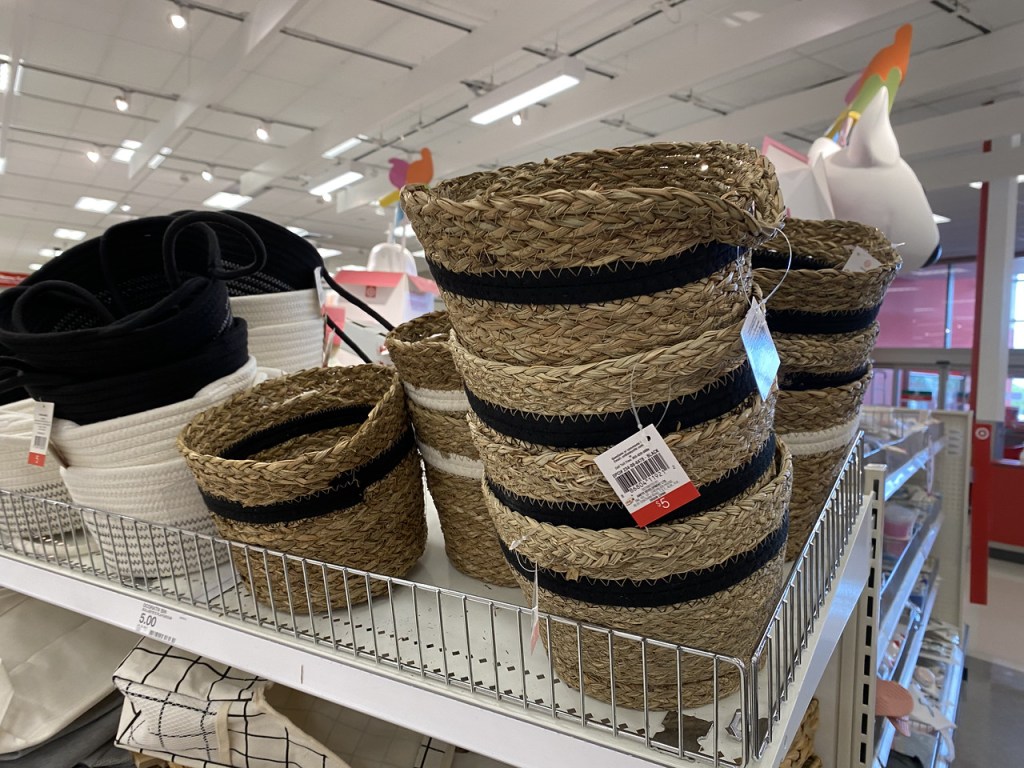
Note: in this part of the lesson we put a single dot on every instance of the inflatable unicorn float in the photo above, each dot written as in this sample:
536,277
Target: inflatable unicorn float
855,172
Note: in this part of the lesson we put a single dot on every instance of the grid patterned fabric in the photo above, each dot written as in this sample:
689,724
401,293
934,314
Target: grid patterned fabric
196,712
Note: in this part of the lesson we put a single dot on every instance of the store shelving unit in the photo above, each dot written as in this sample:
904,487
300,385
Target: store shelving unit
446,656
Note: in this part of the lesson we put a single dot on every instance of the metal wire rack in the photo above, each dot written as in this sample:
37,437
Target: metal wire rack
453,641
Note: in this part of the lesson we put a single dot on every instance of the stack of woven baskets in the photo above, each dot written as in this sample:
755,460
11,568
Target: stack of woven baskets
823,321
588,293
801,753
438,406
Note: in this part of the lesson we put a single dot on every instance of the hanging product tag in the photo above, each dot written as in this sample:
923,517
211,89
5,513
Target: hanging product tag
861,261
757,339
320,292
535,624
42,423
646,476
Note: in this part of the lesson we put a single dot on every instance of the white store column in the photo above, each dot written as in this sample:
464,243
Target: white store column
1000,244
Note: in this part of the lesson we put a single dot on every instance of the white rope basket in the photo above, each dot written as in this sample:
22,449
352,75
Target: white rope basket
283,308
291,347
164,494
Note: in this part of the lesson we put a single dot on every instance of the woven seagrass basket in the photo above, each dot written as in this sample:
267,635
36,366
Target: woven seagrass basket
822,317
597,254
438,406
801,753
819,427
707,581
320,464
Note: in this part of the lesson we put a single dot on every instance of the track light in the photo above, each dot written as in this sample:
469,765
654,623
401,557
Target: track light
121,102
207,175
93,154
178,17
327,197
517,119
262,132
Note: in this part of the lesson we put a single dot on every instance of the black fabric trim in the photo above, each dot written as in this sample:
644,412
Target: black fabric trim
796,381
815,323
343,492
678,588
615,515
588,285
763,259
306,424
599,429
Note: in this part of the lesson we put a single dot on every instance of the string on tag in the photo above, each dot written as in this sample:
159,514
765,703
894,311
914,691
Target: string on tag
789,264
327,347
632,402
535,608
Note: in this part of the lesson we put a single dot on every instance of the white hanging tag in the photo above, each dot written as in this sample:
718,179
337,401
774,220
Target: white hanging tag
320,292
646,476
42,424
535,627
860,261
761,351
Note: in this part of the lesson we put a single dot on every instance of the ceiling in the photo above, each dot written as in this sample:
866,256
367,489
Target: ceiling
404,72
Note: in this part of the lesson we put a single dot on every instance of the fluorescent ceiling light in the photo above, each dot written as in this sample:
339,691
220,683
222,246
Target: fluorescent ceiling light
126,151
298,231
975,185
69,234
228,200
1020,179
3,165
95,204
940,219
354,268
326,187
5,76
419,254
342,148
49,253
326,253
542,83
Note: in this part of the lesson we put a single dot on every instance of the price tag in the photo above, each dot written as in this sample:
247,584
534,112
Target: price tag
861,261
42,424
646,476
321,294
757,339
159,623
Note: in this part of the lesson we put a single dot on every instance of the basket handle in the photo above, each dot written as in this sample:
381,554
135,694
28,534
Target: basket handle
72,293
345,338
353,299
203,220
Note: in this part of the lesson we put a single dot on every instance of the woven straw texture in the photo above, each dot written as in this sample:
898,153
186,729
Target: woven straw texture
828,289
385,532
813,410
421,353
726,621
801,753
824,353
654,376
813,478
707,452
629,206
162,494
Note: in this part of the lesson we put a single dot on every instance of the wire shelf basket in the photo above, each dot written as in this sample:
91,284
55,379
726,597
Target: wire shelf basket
463,642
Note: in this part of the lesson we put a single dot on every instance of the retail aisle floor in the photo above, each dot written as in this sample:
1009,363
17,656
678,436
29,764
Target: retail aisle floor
989,733
997,629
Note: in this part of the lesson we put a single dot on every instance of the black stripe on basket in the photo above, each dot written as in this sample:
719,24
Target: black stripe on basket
344,491
820,323
797,381
762,259
307,424
588,285
678,588
592,430
615,515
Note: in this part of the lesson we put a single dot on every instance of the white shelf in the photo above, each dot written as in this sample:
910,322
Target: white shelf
899,477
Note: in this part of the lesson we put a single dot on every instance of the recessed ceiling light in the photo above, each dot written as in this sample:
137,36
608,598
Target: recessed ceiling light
49,253
34,267
228,200
95,204
938,218
326,253
69,234
340,149
298,231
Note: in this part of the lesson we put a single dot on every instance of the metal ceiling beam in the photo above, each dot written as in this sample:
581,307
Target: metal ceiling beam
674,62
940,69
221,74
956,170
961,128
19,34
515,25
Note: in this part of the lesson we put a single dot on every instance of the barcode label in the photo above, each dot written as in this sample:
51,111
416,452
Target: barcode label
42,422
39,444
645,470
162,637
